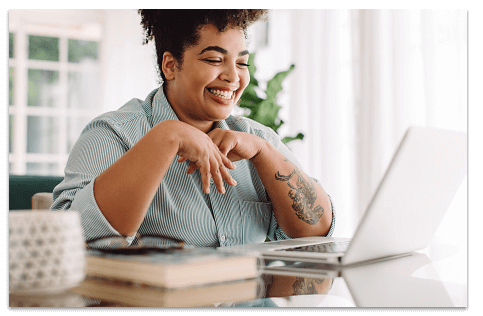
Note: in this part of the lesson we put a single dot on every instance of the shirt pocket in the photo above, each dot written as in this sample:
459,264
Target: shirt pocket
255,220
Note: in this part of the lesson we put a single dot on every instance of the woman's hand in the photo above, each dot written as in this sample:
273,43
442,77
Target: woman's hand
236,145
233,145
203,154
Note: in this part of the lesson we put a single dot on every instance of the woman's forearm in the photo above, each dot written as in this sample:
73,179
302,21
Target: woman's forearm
301,207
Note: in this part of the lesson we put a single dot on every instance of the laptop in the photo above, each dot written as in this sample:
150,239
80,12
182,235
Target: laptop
404,213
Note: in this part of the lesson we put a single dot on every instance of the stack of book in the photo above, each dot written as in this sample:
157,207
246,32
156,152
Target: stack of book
188,277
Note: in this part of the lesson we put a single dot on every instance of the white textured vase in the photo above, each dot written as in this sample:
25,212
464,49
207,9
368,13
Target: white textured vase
46,251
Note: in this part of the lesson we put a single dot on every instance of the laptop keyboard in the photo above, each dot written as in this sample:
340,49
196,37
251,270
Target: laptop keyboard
329,247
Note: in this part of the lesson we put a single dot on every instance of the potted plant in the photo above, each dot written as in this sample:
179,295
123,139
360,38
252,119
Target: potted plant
265,110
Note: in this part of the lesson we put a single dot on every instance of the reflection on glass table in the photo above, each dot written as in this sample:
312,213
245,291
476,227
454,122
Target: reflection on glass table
414,281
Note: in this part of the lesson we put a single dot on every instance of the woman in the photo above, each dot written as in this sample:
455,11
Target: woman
178,164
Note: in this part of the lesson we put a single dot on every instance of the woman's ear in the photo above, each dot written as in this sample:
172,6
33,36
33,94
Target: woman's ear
168,66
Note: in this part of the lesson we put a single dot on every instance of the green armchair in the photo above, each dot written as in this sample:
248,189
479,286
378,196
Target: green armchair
22,188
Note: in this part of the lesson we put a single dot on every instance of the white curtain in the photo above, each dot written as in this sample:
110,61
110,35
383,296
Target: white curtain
361,78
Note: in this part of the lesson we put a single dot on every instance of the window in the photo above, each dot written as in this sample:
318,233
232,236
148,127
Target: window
54,87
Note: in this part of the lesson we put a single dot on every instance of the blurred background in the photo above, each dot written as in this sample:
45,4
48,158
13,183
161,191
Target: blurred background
361,78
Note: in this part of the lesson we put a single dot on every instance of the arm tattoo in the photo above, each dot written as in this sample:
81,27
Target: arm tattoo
304,196
304,286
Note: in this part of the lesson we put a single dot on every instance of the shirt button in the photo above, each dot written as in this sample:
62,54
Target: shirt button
223,238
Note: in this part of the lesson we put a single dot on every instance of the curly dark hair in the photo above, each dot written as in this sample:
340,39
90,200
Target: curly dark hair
176,30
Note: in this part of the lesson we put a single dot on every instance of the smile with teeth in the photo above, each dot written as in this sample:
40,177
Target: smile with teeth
227,95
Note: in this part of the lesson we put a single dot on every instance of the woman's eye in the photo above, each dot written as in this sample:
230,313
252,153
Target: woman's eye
218,61
212,60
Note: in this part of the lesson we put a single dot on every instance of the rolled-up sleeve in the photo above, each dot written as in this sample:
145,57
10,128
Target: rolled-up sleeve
99,146
332,225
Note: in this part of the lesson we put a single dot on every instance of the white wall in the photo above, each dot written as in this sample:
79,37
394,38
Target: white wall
129,68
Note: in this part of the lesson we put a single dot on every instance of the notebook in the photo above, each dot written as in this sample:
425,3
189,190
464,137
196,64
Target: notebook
405,211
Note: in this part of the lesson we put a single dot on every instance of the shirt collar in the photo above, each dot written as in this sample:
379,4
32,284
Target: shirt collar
161,108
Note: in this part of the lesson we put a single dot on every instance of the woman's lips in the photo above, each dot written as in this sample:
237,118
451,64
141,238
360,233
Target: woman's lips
224,94
224,97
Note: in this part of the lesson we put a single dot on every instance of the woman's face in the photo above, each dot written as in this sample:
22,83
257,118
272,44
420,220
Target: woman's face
212,77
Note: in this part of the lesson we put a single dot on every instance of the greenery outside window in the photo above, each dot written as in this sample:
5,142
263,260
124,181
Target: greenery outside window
54,78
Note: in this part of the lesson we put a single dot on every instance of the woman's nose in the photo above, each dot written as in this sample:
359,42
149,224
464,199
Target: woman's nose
230,73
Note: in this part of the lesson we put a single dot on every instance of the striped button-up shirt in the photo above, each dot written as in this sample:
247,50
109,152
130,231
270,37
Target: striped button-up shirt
180,209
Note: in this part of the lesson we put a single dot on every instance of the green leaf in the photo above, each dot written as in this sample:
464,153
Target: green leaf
249,98
289,138
267,113
277,126
274,86
252,69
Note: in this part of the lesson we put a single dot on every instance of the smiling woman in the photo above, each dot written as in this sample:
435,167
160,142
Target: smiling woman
178,164
212,69
159,26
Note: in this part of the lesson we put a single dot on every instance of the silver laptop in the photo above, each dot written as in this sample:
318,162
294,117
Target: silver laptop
425,173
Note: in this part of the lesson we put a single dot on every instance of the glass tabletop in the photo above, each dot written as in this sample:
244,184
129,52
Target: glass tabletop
423,279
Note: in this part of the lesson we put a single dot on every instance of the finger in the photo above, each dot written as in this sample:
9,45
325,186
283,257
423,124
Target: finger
216,163
225,146
205,174
227,162
191,168
227,176
222,140
218,180
224,162
182,159
206,177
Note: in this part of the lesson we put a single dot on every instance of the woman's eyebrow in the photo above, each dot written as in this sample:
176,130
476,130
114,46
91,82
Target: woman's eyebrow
243,53
222,50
